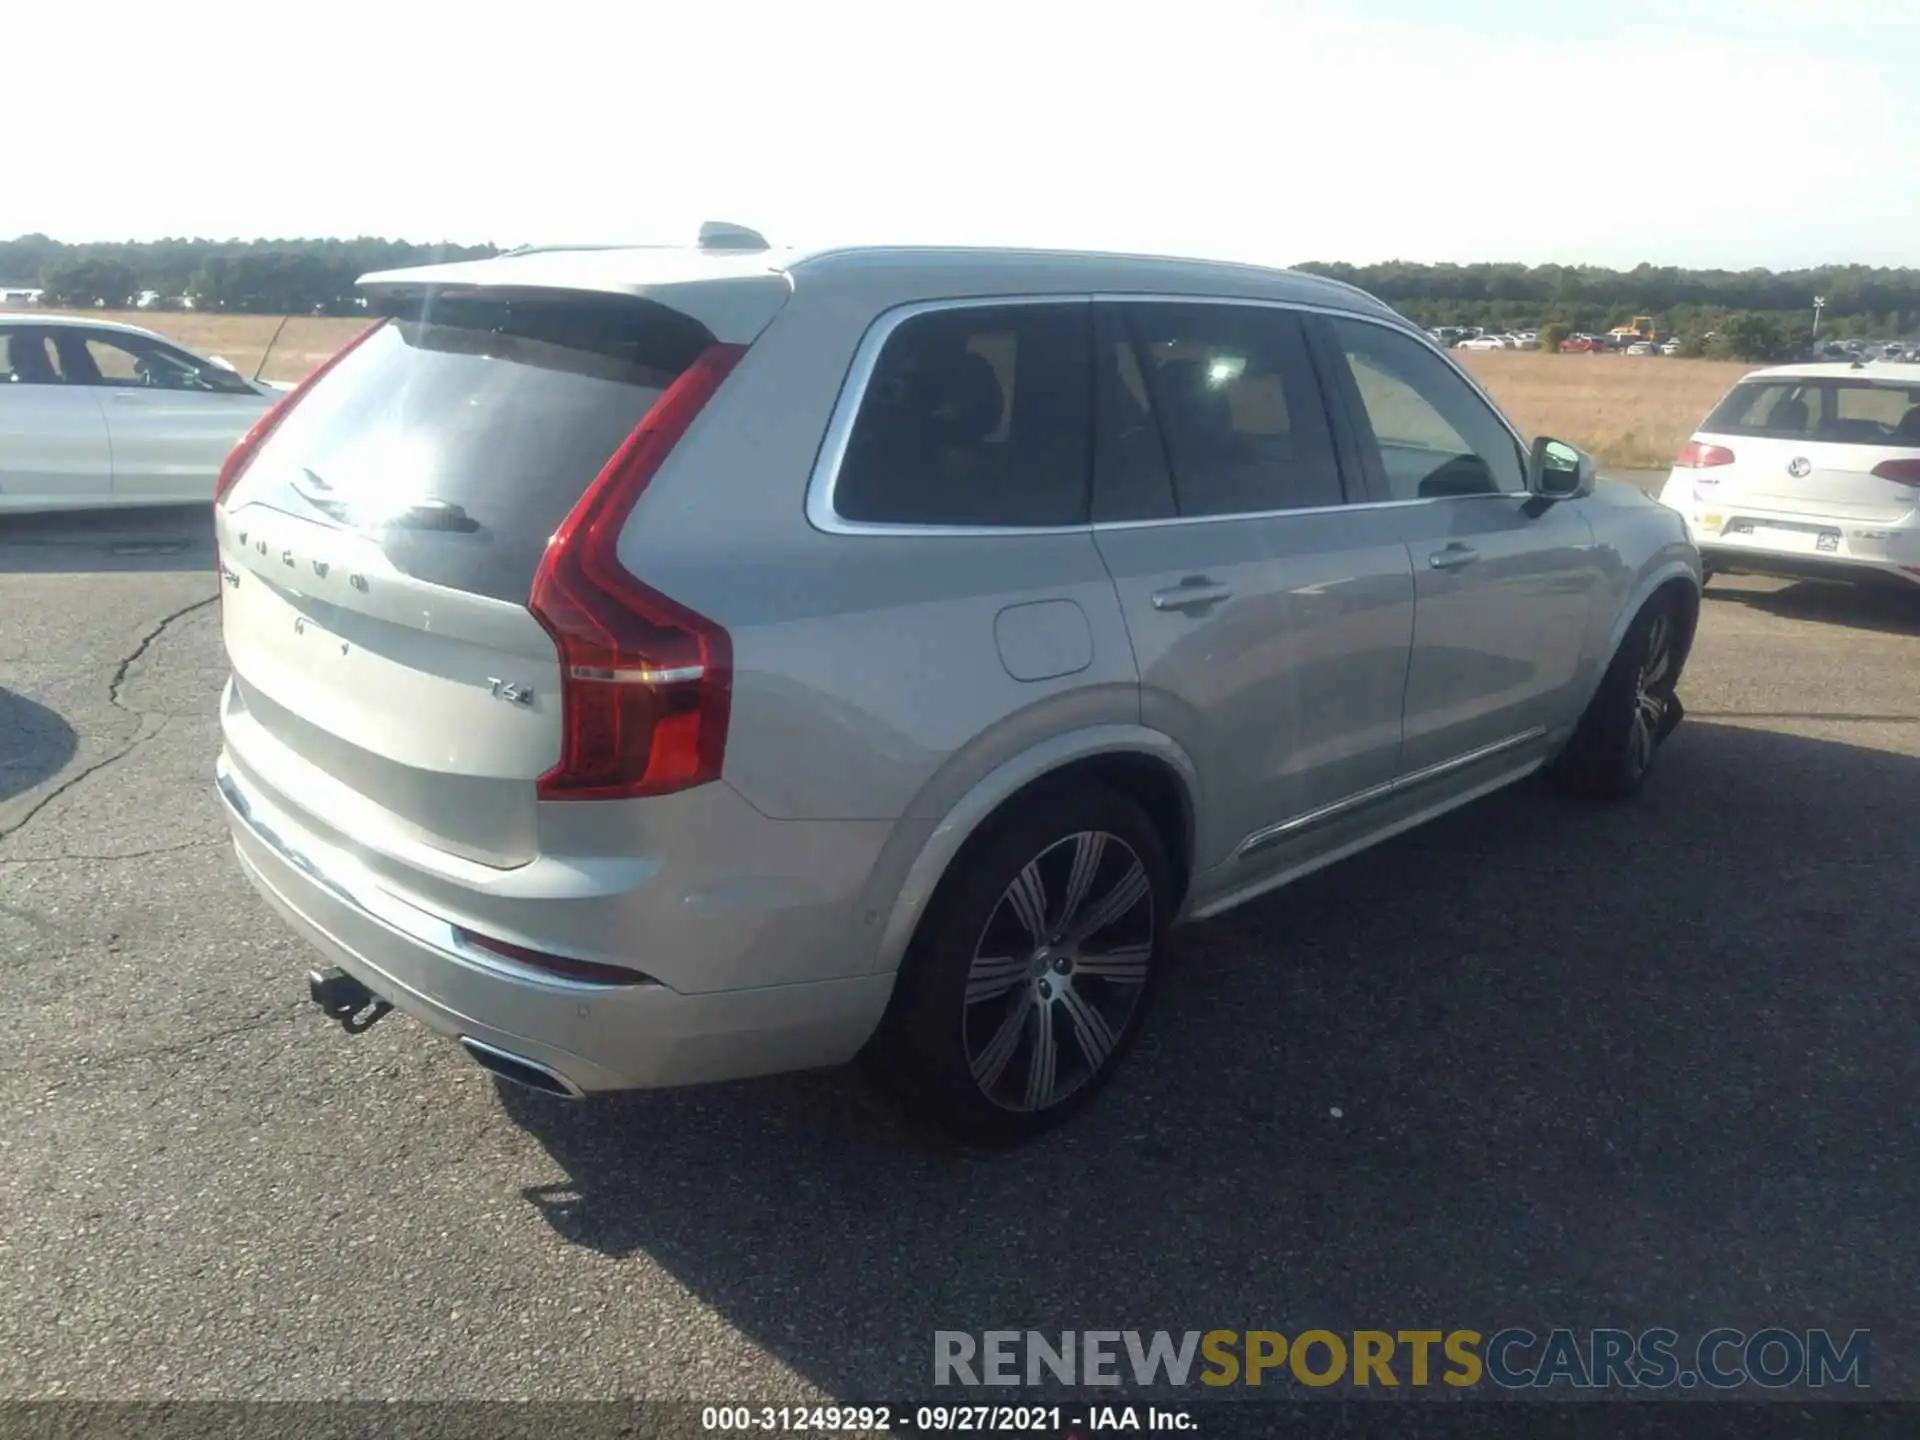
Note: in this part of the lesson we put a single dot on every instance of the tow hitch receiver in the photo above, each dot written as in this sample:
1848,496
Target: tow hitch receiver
345,999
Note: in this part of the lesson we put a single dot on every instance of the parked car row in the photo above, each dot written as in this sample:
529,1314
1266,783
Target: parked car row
1641,339
1457,338
1486,340
1907,351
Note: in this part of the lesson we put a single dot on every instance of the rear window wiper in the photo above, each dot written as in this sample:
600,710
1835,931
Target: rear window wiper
429,514
433,514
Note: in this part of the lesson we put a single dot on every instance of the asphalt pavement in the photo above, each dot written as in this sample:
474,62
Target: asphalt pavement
1539,1063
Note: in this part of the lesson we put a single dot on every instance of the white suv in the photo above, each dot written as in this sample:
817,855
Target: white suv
1809,471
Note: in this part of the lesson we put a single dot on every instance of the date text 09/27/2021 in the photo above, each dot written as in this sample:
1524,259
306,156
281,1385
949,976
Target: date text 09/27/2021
945,1419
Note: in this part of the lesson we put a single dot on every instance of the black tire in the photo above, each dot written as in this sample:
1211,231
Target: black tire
981,1068
1634,710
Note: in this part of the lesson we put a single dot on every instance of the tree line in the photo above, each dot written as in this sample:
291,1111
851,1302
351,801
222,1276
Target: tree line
1752,314
270,277
1767,313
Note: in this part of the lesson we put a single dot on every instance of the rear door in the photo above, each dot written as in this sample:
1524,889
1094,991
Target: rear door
1504,582
1270,620
172,418
53,438
381,548
1805,450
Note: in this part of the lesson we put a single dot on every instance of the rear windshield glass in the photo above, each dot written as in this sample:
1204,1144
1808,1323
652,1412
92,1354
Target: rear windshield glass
461,434
1841,412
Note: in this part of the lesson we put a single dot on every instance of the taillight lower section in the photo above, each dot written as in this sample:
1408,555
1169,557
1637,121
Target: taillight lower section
1901,472
1696,455
646,684
241,456
562,965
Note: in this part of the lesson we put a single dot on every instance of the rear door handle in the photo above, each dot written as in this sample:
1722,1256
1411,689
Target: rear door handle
1453,557
1193,593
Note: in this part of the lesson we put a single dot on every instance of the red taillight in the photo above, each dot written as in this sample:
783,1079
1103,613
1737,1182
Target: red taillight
1697,456
554,964
646,684
1901,472
242,454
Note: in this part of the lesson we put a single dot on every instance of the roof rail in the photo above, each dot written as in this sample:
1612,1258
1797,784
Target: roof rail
556,249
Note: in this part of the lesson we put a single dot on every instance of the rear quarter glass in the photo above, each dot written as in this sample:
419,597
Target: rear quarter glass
461,434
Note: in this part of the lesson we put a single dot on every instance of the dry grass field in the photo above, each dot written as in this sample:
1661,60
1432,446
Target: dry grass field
1630,411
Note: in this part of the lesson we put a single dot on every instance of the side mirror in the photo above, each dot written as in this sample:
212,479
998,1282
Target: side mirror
1558,471
223,363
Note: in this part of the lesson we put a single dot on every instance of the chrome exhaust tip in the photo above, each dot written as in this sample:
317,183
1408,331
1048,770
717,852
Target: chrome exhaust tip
522,1071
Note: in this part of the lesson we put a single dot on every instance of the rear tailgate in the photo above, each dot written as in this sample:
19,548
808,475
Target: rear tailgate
1810,478
381,546
1809,446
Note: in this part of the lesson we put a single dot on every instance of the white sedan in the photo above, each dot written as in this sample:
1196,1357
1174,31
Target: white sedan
94,415
1809,471
1486,342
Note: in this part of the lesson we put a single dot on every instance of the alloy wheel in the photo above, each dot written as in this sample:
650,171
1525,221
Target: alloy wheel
1058,971
1650,698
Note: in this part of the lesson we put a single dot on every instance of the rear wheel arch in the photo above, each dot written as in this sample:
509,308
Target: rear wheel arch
1684,596
1150,780
1675,578
1634,707
1145,765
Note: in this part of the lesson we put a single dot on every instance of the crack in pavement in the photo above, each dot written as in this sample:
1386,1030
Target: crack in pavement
214,843
120,674
91,1061
140,736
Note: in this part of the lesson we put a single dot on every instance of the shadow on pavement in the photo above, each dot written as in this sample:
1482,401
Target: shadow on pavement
172,538
1891,607
35,744
1649,1064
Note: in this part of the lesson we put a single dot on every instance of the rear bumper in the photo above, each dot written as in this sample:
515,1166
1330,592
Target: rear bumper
1757,560
596,1037
1739,538
1862,550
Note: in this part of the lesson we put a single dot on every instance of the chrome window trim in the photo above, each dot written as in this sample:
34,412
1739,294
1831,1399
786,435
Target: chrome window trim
825,517
1362,505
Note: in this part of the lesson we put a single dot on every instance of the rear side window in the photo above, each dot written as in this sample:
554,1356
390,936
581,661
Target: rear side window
1130,476
1834,412
106,358
975,416
1239,407
462,433
28,358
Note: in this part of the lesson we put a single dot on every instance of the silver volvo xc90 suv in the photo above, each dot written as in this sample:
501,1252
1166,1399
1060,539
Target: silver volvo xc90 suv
655,666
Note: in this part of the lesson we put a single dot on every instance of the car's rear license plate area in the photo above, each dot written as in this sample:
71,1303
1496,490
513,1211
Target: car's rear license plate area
1806,539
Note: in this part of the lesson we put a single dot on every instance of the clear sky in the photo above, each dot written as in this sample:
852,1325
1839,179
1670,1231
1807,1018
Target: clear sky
1687,132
